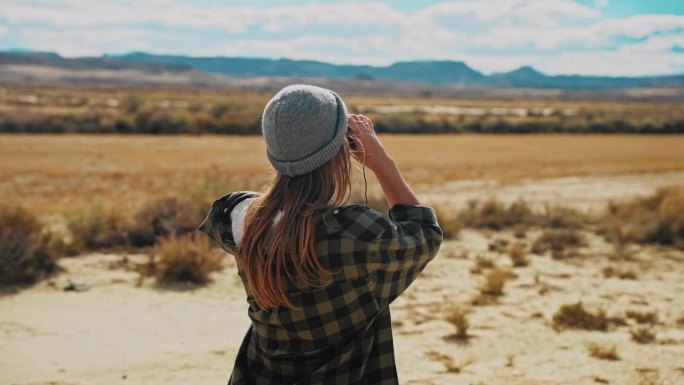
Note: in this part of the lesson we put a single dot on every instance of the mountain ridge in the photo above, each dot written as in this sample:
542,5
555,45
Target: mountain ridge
442,72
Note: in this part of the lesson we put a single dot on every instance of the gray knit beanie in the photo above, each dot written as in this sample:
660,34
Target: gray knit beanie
303,127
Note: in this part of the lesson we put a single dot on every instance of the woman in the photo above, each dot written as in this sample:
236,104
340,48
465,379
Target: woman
320,275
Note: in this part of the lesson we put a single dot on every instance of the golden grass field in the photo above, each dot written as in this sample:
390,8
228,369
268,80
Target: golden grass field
56,173
499,305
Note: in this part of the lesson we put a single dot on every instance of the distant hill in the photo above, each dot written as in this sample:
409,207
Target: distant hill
451,73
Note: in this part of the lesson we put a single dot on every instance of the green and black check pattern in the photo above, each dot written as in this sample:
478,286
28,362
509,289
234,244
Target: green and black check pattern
341,333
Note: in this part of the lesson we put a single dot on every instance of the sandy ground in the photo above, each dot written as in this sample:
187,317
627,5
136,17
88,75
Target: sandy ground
119,332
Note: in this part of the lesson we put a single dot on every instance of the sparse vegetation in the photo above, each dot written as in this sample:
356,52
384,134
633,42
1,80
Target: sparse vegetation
494,281
188,258
458,315
27,253
495,215
643,317
643,335
610,271
658,218
604,352
575,316
449,363
561,242
96,228
448,222
481,263
517,252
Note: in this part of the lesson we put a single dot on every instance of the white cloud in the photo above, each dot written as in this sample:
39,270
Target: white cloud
612,63
491,35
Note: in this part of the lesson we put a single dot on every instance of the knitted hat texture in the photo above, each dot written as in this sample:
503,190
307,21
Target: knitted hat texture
303,127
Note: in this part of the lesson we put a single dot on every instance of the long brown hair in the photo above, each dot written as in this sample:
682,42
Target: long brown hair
301,198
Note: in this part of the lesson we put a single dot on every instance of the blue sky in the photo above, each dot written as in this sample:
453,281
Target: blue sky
594,37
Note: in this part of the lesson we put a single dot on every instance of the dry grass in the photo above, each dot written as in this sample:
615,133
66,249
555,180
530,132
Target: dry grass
448,222
658,218
622,273
575,316
495,215
449,363
643,335
559,242
458,315
481,263
643,317
27,253
517,252
189,258
494,282
57,173
603,352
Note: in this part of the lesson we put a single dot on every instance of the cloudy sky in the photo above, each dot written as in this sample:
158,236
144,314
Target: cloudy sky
600,37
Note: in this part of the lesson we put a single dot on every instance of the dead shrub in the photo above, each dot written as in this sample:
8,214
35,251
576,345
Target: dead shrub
160,218
575,316
560,217
603,352
457,315
558,240
495,215
27,253
658,218
449,363
643,317
520,231
187,258
611,271
643,335
448,222
517,252
498,245
96,228
494,282
482,263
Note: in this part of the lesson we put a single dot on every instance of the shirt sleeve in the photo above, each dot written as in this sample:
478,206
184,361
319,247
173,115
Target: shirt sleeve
218,223
410,239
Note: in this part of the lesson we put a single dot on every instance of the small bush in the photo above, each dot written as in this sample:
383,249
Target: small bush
642,335
560,217
494,282
187,258
160,218
658,218
481,263
498,245
603,352
517,252
96,228
26,252
610,271
643,317
575,316
558,241
457,315
449,363
495,215
448,222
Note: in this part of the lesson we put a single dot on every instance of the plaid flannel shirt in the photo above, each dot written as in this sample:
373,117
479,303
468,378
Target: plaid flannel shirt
341,333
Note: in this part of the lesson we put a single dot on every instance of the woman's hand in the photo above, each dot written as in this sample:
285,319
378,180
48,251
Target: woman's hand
369,149
371,152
